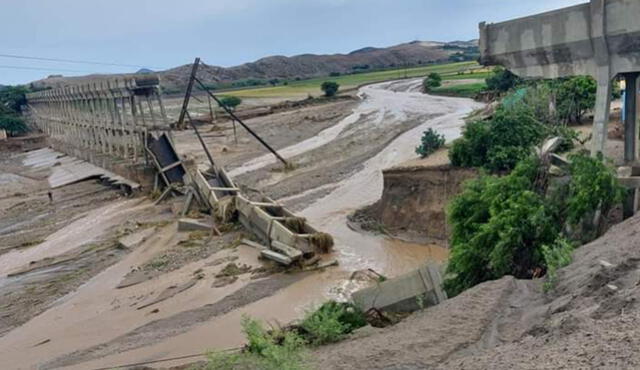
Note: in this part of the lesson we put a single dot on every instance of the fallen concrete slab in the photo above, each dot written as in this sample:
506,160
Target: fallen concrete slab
406,293
190,224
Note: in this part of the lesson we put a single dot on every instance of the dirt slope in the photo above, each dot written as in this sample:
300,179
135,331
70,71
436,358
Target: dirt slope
590,320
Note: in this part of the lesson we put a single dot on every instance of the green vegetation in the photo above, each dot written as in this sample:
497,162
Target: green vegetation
430,142
499,143
594,186
502,80
305,87
12,98
230,101
331,322
330,88
266,349
470,90
556,256
287,348
575,96
501,224
432,81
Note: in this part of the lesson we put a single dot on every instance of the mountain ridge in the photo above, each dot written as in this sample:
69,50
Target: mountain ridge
307,65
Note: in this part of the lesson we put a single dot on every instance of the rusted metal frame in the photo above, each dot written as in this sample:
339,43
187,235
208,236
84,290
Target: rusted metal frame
233,116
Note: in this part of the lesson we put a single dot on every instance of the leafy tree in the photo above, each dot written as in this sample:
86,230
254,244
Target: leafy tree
430,142
502,80
500,143
13,124
513,225
12,98
432,81
230,102
593,186
330,88
499,225
575,96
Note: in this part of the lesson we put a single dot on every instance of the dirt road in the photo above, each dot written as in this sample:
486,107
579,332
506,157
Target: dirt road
339,151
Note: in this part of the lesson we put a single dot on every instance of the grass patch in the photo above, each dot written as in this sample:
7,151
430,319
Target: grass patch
266,349
465,90
331,322
556,256
278,348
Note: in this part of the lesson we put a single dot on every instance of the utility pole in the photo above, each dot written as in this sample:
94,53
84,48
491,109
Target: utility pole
187,95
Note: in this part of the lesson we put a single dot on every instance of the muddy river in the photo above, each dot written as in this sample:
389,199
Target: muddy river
383,105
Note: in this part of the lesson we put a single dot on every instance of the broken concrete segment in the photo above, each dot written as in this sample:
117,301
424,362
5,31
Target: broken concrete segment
406,293
133,240
275,256
288,251
253,244
190,224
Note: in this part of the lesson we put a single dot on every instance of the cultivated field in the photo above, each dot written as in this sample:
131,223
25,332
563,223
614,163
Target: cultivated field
302,89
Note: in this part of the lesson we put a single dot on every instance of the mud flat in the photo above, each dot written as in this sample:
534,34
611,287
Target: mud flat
191,306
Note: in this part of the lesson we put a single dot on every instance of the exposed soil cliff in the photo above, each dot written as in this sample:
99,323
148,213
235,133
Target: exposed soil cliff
414,200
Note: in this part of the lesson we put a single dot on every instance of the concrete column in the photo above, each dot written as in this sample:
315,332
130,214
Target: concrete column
630,120
602,110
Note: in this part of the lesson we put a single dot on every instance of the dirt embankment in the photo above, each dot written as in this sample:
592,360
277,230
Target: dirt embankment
414,200
589,320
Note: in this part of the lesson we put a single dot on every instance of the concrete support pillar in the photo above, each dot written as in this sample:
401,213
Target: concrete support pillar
631,118
602,111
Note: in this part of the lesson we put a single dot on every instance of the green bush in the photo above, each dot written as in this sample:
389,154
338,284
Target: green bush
575,96
330,88
430,142
432,81
502,80
331,321
500,143
556,256
500,225
230,101
12,98
268,350
593,186
12,123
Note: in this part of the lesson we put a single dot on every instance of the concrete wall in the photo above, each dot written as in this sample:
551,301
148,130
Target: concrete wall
599,39
567,42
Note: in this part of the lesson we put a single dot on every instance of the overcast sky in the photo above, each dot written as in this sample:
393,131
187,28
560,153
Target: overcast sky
161,34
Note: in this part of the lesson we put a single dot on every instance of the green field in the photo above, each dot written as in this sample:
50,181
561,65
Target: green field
298,89
466,90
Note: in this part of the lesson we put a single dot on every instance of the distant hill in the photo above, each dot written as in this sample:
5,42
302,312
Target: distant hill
311,65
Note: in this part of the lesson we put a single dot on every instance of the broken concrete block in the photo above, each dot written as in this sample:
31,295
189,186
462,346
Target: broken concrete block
275,256
133,240
190,224
288,251
406,293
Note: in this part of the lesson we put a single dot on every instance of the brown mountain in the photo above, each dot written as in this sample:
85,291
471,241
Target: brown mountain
311,65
